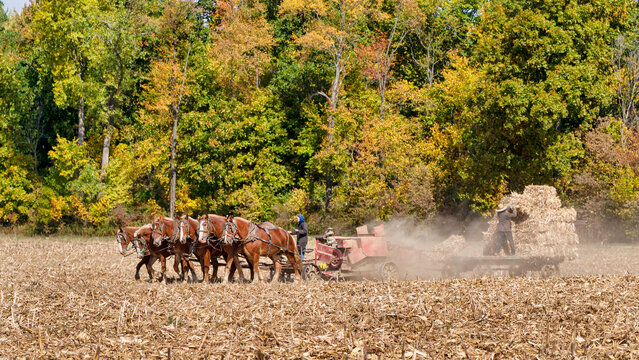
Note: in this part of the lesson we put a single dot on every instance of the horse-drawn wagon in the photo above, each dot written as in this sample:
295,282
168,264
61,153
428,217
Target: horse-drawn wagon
364,256
433,261
514,265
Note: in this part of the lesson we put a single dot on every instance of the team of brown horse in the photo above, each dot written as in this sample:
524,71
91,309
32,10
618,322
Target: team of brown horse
208,238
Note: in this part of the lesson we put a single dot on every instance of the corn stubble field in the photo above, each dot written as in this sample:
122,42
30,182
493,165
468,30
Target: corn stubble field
76,298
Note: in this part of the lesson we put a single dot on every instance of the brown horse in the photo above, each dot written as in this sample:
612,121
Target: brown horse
165,229
124,237
210,233
203,251
146,247
270,241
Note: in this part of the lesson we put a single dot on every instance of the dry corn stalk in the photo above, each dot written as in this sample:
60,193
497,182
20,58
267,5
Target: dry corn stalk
80,301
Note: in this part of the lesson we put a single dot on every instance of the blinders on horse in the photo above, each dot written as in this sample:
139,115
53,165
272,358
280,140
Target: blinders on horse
210,237
157,227
230,231
121,240
187,236
140,249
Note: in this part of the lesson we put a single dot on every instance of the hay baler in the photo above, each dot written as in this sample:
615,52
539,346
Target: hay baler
353,257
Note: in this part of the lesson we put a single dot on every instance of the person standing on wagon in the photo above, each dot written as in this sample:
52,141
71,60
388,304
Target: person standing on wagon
504,230
302,234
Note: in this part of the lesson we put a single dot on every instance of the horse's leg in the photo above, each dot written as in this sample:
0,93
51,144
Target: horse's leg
233,267
177,263
163,262
232,259
149,266
251,268
227,274
242,249
189,263
238,266
143,261
277,263
296,263
205,262
254,259
215,265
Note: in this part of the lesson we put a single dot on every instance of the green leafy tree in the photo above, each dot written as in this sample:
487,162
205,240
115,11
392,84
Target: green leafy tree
546,72
240,44
169,72
335,29
117,47
62,30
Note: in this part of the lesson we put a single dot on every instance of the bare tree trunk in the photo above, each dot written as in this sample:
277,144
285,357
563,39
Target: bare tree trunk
626,61
382,101
333,105
176,113
37,134
106,146
173,172
385,60
335,87
81,121
108,135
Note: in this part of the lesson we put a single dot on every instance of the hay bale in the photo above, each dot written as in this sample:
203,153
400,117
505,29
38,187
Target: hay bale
542,226
448,248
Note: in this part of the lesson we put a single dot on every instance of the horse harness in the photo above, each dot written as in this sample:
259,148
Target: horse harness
188,233
252,236
141,250
121,238
212,239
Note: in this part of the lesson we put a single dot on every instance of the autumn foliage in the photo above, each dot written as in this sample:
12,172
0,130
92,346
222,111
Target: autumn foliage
345,110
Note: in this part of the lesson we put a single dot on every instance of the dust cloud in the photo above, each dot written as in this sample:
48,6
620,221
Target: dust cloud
419,248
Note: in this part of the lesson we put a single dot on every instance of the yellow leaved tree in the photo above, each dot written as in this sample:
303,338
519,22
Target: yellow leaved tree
240,44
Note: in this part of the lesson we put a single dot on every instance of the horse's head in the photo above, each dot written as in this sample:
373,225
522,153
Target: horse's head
123,240
139,242
203,227
183,229
157,232
230,230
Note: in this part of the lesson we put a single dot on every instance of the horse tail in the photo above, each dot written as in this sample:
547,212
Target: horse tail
296,255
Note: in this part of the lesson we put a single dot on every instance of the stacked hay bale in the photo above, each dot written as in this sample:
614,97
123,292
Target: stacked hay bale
542,226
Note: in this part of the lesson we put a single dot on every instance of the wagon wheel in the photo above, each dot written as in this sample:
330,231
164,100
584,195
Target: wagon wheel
549,270
388,271
336,260
312,272
516,270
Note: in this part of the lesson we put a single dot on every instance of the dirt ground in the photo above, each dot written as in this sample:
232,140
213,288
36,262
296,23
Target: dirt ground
76,298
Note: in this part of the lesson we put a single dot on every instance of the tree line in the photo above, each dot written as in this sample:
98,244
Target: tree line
345,110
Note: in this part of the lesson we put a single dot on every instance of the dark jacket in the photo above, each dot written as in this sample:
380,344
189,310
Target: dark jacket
302,233
504,218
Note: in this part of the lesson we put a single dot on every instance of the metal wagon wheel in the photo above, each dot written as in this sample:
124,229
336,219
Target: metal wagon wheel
516,270
336,260
312,272
549,270
388,271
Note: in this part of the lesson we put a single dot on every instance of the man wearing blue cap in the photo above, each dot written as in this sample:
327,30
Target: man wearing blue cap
302,234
